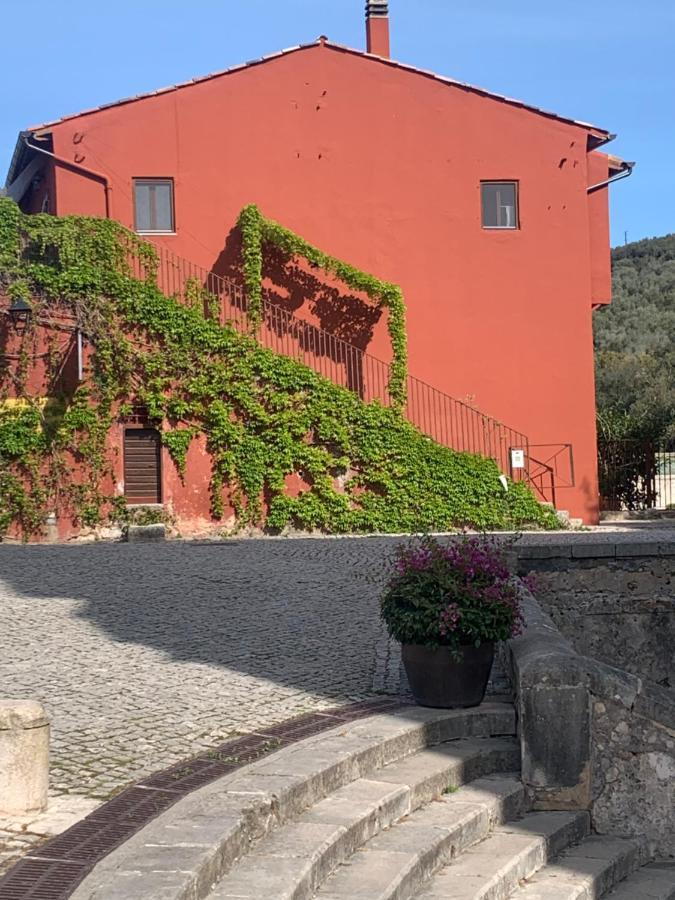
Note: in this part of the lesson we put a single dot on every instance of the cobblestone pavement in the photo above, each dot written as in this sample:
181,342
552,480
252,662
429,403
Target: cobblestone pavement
144,654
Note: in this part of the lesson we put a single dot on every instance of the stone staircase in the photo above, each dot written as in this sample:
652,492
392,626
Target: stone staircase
448,822
412,803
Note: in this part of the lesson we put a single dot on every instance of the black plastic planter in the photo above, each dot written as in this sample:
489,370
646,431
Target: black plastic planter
437,679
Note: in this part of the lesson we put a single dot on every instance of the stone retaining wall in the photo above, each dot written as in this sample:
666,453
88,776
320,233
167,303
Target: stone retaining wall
593,736
614,602
633,771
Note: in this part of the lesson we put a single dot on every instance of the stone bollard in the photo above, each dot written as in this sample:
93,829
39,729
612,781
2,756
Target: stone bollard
24,757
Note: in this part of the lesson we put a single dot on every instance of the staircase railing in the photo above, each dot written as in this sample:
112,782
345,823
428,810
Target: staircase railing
542,480
445,419
550,469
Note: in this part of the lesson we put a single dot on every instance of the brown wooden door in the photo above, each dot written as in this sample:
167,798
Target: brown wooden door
142,466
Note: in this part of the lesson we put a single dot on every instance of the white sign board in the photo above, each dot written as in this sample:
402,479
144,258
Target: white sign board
517,459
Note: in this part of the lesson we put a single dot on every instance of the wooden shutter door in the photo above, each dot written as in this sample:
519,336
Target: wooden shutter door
142,466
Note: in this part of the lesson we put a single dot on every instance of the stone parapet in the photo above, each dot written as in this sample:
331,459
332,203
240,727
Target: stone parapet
619,609
552,700
592,546
593,736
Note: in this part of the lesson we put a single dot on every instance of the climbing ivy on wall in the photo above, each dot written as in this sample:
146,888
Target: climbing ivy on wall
256,230
264,418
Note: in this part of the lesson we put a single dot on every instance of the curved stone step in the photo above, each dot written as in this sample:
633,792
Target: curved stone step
292,862
653,882
396,864
587,871
398,861
182,853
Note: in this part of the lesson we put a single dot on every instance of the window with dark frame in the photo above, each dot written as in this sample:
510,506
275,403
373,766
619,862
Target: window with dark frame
499,204
153,205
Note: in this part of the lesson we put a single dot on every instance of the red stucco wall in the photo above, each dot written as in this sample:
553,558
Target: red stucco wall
187,499
382,167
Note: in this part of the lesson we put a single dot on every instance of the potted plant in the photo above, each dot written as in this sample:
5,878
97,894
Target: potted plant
448,605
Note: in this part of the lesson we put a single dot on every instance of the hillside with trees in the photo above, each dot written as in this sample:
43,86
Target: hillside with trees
635,343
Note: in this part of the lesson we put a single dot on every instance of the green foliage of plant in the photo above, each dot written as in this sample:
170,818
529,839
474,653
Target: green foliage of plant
452,595
17,505
20,432
200,298
178,443
10,239
19,290
265,418
256,230
142,515
250,224
635,344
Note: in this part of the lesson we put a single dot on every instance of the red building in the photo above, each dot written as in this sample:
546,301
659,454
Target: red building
491,215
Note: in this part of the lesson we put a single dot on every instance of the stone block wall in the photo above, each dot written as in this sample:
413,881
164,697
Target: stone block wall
633,771
619,609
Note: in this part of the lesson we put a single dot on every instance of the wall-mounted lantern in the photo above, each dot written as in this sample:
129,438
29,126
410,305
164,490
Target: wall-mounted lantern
20,313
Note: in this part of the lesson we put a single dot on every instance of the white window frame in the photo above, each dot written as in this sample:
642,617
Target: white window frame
154,181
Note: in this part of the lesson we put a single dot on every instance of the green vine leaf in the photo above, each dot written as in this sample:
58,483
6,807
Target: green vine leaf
256,230
287,448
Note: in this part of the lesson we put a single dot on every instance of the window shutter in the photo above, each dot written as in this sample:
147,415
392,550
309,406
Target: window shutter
142,465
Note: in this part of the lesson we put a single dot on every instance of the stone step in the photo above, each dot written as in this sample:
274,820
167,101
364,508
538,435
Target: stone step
187,849
653,882
493,869
395,863
587,871
292,862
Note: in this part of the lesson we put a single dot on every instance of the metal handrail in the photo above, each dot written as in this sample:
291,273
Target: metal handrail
536,479
560,458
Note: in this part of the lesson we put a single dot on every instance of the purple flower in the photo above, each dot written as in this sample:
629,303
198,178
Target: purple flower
530,582
450,617
452,593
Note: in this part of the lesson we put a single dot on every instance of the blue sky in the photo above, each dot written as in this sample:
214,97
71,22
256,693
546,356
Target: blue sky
610,62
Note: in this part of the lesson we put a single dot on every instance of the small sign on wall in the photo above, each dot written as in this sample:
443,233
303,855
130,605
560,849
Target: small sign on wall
517,458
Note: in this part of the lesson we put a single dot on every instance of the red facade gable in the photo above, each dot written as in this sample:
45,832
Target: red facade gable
383,166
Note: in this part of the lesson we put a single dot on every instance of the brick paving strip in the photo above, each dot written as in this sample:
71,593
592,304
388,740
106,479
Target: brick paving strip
53,870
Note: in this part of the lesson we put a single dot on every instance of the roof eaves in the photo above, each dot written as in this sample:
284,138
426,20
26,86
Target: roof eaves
173,87
444,79
16,156
600,134
616,164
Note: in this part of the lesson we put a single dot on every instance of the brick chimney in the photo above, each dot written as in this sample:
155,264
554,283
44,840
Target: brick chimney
377,27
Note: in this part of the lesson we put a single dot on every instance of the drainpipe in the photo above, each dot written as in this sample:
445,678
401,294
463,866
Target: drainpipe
627,171
76,167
